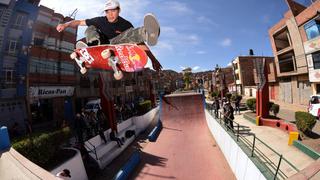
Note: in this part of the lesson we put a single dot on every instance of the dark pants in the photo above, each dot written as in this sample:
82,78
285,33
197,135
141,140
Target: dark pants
237,108
118,140
216,112
131,35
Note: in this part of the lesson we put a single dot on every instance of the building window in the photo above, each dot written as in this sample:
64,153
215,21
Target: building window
312,29
1,12
19,20
316,60
9,75
318,88
38,41
12,46
282,39
67,68
8,79
287,62
43,66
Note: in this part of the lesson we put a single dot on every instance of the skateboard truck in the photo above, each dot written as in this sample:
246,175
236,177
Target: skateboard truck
80,62
112,61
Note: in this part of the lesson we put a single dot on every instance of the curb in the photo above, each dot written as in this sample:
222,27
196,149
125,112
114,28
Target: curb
128,168
306,150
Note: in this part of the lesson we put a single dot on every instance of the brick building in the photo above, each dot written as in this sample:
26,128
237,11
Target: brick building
295,43
272,77
244,74
52,73
222,78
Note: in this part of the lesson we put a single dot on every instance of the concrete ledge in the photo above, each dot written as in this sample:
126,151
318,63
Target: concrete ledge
75,165
305,149
155,132
128,167
280,124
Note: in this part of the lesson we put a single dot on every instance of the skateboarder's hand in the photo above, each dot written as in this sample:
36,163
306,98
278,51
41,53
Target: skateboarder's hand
156,64
61,27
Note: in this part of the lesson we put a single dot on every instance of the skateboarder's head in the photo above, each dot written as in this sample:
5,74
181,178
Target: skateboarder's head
112,10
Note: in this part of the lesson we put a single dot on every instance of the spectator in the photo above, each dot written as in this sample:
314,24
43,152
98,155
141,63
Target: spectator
14,131
237,104
79,126
102,119
229,115
113,137
92,119
216,107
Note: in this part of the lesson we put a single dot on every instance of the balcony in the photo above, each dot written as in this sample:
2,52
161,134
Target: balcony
282,40
287,62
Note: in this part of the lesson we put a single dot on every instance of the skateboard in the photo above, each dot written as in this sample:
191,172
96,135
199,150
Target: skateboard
118,58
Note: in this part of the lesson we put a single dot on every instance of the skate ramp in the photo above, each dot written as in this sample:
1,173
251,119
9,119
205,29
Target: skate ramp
14,166
185,148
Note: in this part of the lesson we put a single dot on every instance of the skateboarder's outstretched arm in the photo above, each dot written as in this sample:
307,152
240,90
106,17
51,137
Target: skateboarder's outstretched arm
73,23
155,63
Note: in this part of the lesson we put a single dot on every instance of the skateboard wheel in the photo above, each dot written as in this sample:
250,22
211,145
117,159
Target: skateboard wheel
118,75
105,54
73,55
83,70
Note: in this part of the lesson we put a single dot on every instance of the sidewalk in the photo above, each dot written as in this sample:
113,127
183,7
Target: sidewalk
277,140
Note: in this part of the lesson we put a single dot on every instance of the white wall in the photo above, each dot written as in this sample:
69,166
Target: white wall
76,167
142,122
241,165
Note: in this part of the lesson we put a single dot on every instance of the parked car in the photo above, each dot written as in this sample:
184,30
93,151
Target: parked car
314,105
93,105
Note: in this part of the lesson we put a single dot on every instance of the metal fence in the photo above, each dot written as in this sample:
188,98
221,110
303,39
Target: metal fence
276,165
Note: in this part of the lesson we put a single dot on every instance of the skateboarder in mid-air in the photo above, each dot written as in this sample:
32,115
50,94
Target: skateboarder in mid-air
113,29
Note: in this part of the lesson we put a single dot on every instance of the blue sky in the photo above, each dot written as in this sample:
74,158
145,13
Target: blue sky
197,34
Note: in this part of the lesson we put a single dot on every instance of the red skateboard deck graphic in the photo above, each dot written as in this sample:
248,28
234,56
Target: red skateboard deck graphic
131,57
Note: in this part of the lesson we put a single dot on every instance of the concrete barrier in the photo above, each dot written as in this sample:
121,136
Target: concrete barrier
153,135
4,139
128,168
241,165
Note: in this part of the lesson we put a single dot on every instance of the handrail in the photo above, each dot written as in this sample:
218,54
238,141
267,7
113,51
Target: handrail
275,168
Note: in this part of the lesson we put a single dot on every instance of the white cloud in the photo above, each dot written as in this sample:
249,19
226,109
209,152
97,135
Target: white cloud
178,7
85,9
196,68
226,42
201,52
207,21
134,10
193,39
182,67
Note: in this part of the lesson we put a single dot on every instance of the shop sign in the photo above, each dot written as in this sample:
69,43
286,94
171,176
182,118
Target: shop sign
312,45
50,91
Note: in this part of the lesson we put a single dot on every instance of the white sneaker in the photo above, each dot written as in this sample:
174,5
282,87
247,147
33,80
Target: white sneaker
152,29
